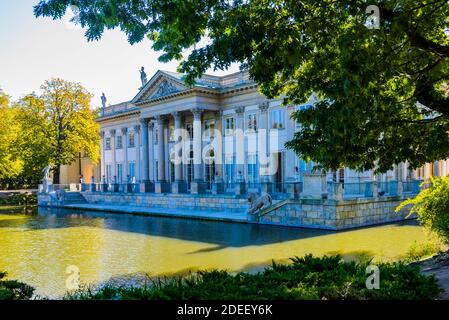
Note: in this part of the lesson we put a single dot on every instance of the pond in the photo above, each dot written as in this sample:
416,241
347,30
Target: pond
37,247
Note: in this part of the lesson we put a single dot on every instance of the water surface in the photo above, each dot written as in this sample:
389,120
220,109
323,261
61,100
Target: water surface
37,247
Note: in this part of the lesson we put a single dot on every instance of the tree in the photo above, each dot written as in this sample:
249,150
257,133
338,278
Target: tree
10,164
383,92
56,127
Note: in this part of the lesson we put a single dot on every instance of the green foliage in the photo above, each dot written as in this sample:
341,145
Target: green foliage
18,199
306,278
418,252
432,207
10,163
14,290
51,128
373,83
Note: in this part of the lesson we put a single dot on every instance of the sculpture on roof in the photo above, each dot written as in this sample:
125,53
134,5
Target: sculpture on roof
143,76
103,100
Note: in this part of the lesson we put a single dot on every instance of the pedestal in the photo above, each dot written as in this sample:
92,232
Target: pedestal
314,185
115,187
161,187
179,187
197,187
218,187
93,187
105,187
292,188
147,186
240,188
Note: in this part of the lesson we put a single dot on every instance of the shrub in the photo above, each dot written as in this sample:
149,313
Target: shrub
14,290
306,278
19,199
432,207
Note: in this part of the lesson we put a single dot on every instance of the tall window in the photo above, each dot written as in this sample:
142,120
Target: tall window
230,168
277,119
172,171
252,122
119,172
253,168
132,170
131,140
209,127
156,172
190,168
229,126
119,142
108,143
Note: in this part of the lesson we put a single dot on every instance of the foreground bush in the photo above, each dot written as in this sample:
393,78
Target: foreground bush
14,290
305,278
432,207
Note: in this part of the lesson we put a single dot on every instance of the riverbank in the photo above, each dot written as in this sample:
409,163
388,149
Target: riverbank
438,266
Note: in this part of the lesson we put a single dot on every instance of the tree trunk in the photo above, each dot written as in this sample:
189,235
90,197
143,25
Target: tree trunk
56,174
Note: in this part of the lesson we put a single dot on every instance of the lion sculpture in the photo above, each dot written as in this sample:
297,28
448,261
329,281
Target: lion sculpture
257,204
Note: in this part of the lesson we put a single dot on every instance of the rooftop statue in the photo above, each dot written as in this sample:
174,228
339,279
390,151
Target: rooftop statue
143,76
103,100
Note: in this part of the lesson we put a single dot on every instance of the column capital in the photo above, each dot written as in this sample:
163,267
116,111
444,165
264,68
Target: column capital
160,119
143,122
240,110
124,130
150,125
112,132
176,114
263,107
137,128
197,113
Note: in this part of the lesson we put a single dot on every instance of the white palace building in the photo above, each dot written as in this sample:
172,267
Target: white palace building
200,151
218,130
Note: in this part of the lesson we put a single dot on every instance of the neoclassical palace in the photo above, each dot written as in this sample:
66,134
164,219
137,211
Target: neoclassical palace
204,125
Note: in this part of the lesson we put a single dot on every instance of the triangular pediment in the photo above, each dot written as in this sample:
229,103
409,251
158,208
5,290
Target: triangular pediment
162,84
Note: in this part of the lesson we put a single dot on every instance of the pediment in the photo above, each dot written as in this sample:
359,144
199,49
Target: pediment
160,85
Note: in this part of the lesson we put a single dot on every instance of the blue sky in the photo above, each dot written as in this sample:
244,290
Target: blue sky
33,50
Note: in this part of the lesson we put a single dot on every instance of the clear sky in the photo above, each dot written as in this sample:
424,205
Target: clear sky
36,49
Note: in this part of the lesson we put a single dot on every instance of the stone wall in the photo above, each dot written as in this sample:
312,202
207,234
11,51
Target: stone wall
171,201
336,215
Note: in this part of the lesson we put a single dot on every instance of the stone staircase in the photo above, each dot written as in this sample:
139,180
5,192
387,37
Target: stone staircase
74,197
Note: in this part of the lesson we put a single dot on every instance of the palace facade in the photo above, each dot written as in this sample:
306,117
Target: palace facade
218,128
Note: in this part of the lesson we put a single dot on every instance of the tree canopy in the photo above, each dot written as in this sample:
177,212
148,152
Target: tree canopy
383,91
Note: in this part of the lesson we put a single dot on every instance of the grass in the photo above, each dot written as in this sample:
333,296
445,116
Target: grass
310,278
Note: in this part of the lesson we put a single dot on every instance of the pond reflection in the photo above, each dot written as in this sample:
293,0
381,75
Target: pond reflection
37,248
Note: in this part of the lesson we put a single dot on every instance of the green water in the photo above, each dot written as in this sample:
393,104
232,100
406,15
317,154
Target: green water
37,247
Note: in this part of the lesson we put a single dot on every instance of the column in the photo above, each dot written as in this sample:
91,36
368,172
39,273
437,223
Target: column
240,151
178,186
144,139
114,164
262,147
125,153
137,149
161,185
197,145
151,151
197,186
103,158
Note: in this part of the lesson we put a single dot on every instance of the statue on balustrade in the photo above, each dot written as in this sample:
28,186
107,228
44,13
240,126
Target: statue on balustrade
143,77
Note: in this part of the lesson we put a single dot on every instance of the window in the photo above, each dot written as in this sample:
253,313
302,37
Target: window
300,108
119,173
171,133
132,170
131,140
230,168
108,143
277,119
252,122
229,126
209,127
156,172
189,128
119,142
253,168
